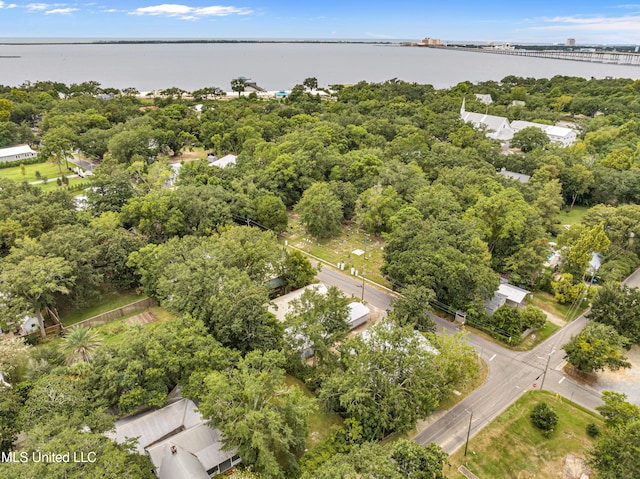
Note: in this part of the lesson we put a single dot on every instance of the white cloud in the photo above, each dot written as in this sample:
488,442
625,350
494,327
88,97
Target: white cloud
186,12
11,5
61,11
629,23
36,7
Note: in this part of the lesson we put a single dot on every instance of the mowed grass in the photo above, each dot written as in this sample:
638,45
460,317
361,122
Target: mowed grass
50,170
340,249
52,185
573,216
511,447
547,302
107,302
320,421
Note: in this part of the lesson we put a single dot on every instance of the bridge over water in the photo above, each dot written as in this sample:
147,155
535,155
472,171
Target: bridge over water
611,58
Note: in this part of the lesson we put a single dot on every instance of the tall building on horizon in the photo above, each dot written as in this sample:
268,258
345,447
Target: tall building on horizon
571,42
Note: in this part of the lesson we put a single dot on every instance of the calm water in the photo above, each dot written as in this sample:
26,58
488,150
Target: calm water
274,66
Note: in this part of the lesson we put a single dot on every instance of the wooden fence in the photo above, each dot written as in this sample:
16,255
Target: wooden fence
114,314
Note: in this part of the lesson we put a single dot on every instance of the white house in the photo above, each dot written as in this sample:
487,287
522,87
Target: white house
499,128
557,134
16,153
178,441
224,161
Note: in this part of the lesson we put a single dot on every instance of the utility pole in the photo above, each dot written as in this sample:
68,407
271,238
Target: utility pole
544,375
468,433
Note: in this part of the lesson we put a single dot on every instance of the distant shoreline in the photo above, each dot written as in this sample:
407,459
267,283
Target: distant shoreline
165,42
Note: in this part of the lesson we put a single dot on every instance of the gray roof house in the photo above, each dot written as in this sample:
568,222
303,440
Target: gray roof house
522,178
506,294
177,441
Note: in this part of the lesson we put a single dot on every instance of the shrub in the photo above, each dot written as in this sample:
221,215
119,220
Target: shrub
544,417
592,430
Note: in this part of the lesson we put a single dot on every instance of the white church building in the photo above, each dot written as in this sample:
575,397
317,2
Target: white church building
499,128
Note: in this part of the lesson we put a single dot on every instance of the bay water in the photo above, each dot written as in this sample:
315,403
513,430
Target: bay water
274,66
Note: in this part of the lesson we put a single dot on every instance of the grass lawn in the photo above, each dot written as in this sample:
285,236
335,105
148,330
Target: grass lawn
109,301
536,338
547,302
117,331
339,250
50,170
573,216
511,447
52,185
320,422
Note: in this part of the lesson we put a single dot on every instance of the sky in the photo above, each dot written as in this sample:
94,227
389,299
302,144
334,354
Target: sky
541,21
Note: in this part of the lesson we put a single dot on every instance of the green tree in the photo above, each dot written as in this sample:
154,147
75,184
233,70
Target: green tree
529,139
238,84
297,270
576,180
593,240
595,348
10,403
617,305
272,213
615,454
419,462
80,344
566,292
257,413
544,417
311,83
375,207
317,321
34,278
616,410
110,459
412,308
386,382
320,210
14,355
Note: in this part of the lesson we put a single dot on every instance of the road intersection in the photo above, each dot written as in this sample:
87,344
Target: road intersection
511,373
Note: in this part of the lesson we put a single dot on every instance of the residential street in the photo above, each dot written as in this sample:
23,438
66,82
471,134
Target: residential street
510,375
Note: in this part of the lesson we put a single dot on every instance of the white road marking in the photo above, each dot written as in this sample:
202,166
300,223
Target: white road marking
491,358
562,379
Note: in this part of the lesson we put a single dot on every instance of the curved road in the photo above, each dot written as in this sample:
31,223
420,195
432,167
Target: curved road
511,373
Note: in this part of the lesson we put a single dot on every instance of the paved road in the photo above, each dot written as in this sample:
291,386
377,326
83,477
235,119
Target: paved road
82,163
350,285
510,375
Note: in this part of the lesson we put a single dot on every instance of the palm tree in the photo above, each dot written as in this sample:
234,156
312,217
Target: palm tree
80,344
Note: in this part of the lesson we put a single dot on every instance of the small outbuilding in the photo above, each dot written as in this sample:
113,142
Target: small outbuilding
358,314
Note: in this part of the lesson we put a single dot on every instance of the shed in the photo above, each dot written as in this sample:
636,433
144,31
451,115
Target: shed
358,314
522,178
